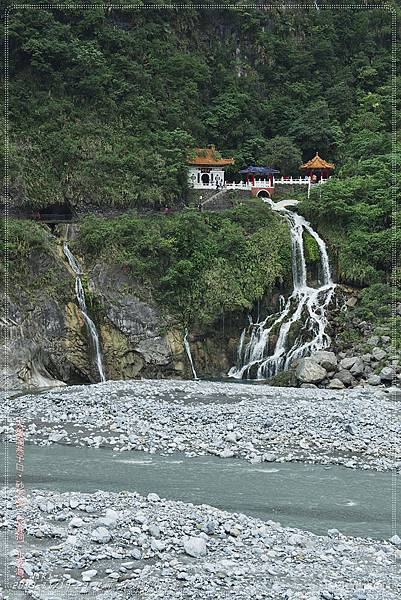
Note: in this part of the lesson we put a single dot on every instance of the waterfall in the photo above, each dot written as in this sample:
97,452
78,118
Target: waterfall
188,351
80,295
269,348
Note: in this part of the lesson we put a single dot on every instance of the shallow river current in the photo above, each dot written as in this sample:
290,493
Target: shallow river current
311,497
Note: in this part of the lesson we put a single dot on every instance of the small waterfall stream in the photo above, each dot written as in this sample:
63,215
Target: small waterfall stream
189,354
303,316
91,327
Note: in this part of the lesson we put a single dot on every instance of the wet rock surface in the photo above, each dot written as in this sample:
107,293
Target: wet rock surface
359,428
200,552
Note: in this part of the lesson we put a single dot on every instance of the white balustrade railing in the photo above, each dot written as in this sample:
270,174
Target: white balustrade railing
258,183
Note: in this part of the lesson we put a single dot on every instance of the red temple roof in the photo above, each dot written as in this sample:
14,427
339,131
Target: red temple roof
209,157
317,163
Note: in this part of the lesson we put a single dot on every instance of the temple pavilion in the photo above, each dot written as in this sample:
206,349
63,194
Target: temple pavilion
317,168
260,180
206,168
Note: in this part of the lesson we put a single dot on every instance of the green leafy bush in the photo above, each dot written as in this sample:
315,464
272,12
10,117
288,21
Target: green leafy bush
199,264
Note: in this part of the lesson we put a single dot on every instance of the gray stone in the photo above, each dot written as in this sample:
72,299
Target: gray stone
345,376
396,540
351,302
100,535
46,506
154,531
378,354
373,380
152,497
209,527
387,374
157,545
358,367
336,384
374,340
333,533
109,520
28,569
326,359
76,522
57,436
308,371
88,575
269,457
350,428
195,546
348,362
74,502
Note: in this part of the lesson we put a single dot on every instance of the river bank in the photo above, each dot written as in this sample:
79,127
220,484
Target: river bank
356,428
119,546
98,523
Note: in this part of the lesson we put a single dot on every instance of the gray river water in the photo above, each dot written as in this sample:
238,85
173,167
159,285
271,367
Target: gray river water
311,497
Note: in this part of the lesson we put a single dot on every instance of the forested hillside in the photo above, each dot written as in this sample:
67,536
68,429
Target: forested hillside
106,103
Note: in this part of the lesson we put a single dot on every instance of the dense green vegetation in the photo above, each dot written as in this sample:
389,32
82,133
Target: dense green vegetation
354,210
105,105
31,259
199,265
24,237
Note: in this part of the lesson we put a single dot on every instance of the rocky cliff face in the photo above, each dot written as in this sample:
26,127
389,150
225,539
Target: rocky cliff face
47,341
44,335
137,339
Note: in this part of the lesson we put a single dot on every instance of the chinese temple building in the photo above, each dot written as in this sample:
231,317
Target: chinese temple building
317,168
260,180
206,168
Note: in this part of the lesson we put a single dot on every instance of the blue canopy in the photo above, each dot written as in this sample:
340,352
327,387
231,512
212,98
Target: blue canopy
260,170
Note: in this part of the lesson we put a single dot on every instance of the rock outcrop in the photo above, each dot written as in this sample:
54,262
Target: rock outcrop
309,371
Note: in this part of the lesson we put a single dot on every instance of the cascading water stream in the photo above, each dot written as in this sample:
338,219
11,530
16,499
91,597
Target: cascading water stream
80,295
189,354
269,349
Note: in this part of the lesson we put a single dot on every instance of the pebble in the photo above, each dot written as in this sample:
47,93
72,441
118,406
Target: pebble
101,535
195,546
396,540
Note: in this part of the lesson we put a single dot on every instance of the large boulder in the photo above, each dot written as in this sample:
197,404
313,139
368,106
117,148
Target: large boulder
101,535
345,376
309,371
387,374
358,367
326,359
378,354
348,362
195,546
373,380
336,384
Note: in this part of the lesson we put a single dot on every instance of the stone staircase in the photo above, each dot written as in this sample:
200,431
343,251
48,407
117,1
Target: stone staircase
219,200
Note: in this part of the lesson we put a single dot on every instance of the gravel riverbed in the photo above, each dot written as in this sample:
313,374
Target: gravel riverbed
118,545
112,546
359,428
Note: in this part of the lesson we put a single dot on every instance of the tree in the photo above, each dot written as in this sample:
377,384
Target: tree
283,154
